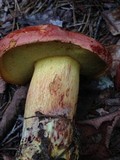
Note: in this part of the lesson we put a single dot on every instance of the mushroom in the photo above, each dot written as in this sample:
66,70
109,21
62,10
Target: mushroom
54,58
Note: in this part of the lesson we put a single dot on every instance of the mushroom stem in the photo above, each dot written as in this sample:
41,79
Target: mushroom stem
50,109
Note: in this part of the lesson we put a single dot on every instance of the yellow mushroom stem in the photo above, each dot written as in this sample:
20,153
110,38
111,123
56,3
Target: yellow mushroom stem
50,109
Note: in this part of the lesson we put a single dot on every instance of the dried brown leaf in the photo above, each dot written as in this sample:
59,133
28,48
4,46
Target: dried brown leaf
115,69
118,42
11,112
2,86
100,130
5,157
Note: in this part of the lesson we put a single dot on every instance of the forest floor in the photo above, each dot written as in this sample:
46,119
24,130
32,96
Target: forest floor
98,113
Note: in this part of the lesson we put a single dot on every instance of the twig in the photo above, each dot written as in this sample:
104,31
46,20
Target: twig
17,5
10,140
61,3
30,6
13,24
37,10
73,10
10,134
87,21
83,22
75,25
97,27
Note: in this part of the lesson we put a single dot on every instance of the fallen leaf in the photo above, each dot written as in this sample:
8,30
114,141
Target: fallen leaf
2,85
118,42
5,157
1,3
115,68
11,112
101,111
96,134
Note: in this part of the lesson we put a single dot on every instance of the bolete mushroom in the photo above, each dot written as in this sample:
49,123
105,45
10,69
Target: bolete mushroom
54,58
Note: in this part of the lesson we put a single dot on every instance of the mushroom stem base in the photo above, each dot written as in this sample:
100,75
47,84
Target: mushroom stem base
43,142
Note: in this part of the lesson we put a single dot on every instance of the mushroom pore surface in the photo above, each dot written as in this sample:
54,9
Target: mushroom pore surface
17,64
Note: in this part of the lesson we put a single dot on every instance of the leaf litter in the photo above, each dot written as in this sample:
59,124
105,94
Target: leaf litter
97,119
112,19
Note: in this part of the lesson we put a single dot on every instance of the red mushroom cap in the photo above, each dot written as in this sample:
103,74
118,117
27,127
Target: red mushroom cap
20,49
